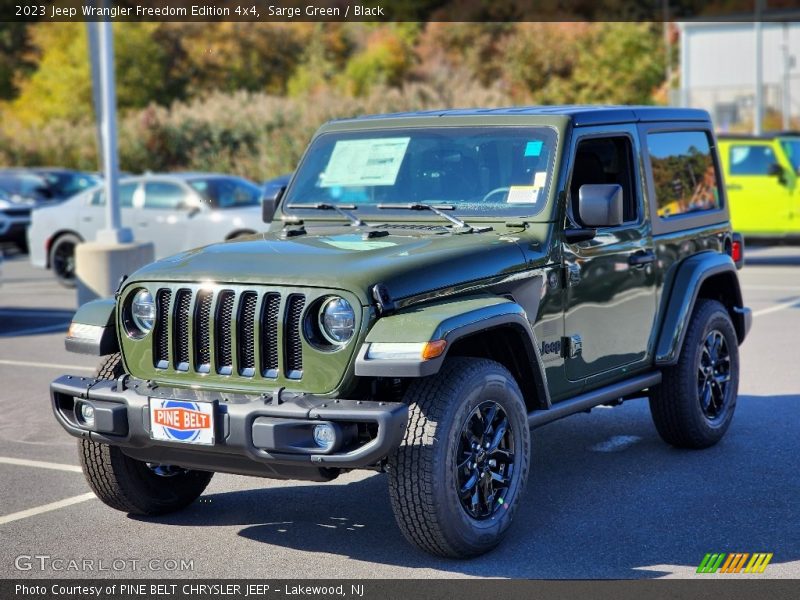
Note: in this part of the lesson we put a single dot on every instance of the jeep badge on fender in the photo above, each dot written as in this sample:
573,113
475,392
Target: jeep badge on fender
433,286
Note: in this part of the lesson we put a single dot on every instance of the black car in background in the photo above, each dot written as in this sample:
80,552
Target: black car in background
23,190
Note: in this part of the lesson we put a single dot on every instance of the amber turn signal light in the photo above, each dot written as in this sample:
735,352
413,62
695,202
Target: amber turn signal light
433,349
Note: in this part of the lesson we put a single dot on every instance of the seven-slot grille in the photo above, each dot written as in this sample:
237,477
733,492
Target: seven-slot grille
246,333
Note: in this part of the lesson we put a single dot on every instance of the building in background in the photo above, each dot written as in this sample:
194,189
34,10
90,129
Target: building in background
718,73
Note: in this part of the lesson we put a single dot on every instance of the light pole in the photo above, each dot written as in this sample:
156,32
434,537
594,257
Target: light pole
758,108
786,96
113,233
100,265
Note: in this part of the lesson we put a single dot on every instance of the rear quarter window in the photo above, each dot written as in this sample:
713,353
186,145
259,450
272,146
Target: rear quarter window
685,176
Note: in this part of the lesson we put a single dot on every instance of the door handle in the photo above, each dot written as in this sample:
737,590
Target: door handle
88,219
734,187
641,258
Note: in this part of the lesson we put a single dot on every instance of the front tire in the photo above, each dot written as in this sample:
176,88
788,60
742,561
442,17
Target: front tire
458,477
130,485
694,404
62,259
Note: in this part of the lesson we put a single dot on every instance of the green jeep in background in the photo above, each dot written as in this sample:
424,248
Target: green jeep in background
433,286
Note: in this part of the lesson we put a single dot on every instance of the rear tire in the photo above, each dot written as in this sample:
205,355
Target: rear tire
130,485
694,404
447,496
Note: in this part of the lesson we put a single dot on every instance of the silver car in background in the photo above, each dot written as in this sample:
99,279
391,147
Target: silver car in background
175,212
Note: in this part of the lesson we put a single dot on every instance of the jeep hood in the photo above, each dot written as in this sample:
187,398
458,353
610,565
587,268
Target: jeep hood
340,258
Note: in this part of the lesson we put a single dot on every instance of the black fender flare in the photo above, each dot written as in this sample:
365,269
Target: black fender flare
678,304
449,321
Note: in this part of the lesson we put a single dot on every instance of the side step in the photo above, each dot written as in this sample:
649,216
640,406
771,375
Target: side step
584,402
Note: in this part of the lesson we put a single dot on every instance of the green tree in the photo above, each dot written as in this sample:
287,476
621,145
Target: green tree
619,63
384,61
327,49
234,56
61,86
15,59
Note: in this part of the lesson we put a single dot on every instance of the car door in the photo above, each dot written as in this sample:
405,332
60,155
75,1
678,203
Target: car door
610,282
165,216
760,183
92,215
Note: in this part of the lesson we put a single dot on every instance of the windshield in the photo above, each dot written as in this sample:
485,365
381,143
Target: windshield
792,148
227,192
479,171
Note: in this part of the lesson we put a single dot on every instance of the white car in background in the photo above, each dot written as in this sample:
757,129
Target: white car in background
175,212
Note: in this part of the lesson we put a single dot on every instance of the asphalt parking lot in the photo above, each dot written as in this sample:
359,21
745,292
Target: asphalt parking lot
606,498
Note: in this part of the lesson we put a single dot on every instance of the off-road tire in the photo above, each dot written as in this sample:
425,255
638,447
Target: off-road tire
130,485
422,472
675,404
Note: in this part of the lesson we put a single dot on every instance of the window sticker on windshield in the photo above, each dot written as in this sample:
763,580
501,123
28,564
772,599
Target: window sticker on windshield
523,194
533,148
540,179
365,162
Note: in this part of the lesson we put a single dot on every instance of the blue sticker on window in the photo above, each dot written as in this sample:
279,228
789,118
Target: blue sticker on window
533,148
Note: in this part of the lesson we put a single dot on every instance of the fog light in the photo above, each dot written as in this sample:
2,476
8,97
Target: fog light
324,436
87,414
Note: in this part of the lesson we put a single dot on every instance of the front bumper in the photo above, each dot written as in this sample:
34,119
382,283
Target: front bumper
13,229
262,435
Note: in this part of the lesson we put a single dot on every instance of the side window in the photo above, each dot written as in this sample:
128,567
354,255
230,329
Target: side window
751,160
126,192
684,174
605,160
159,194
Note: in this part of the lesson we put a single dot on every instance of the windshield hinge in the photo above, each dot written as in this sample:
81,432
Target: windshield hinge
383,300
522,224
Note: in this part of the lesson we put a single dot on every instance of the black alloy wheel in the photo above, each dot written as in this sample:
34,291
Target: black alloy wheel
714,375
485,460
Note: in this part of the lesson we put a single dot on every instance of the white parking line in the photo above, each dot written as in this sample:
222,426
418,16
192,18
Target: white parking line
39,365
60,327
776,288
777,307
37,510
41,464
33,313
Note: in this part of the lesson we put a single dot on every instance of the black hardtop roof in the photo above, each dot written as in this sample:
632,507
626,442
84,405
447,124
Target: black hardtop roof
581,115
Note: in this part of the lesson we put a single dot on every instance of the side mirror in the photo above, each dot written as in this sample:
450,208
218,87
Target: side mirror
270,204
775,170
600,205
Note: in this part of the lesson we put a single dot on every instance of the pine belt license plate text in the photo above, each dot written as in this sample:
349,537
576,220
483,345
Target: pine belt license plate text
182,421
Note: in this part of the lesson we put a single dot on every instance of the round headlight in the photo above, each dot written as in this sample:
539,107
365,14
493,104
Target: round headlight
337,320
143,311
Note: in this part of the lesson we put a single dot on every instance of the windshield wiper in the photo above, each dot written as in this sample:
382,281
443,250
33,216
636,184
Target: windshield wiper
354,220
437,209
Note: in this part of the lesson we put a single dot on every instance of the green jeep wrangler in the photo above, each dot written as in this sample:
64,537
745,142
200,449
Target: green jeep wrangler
433,286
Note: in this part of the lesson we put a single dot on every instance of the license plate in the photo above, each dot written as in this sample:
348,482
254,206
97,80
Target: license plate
182,421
